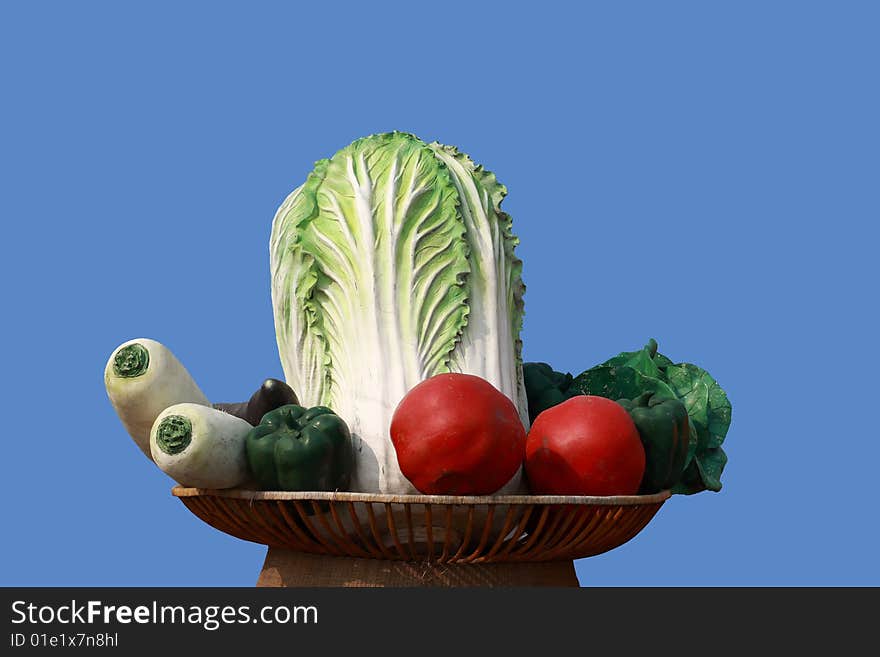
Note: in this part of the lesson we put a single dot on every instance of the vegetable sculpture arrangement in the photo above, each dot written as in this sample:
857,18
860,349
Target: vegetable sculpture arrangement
398,304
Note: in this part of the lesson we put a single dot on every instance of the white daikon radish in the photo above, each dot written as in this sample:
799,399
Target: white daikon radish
143,378
200,446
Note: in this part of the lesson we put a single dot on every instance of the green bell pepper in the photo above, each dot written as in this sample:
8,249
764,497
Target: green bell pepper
299,449
545,387
663,427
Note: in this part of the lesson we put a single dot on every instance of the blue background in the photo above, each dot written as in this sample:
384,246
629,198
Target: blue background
704,175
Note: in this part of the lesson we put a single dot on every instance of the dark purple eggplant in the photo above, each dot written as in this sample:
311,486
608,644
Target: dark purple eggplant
271,395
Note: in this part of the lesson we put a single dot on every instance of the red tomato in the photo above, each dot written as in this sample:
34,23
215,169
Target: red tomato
456,434
587,445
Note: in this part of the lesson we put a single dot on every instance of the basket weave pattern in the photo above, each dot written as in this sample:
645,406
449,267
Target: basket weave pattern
438,529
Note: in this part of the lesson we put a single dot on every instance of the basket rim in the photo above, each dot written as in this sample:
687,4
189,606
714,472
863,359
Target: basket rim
385,498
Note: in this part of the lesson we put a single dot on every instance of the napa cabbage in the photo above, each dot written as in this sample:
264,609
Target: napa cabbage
394,262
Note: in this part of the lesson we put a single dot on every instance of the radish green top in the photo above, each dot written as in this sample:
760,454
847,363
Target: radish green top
174,434
394,262
131,361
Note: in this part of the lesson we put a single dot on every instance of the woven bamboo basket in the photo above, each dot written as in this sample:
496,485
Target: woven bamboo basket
437,532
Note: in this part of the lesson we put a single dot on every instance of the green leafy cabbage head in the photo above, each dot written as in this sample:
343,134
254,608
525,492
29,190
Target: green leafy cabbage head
394,262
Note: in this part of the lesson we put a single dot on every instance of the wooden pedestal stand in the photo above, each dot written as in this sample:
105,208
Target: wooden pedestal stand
366,540
292,568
